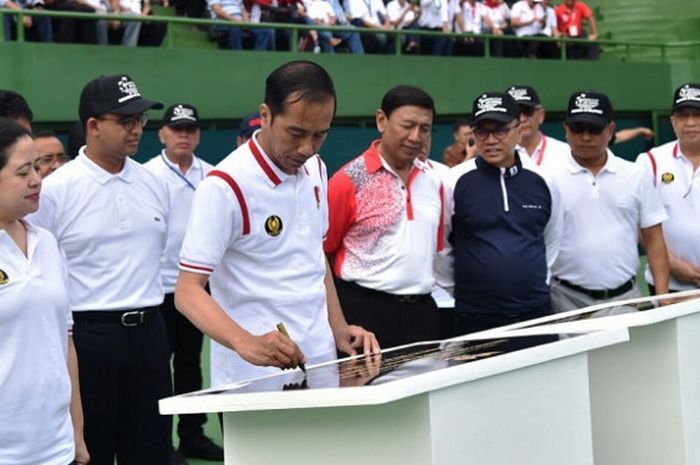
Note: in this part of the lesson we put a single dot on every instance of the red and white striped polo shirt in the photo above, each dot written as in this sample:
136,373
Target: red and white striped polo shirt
258,232
385,233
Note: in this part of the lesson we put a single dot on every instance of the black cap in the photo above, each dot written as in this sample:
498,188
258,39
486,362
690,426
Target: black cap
113,94
589,107
524,95
181,114
495,106
687,95
249,125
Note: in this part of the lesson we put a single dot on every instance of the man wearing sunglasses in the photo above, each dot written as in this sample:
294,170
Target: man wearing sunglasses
541,149
110,216
675,172
181,171
606,201
504,226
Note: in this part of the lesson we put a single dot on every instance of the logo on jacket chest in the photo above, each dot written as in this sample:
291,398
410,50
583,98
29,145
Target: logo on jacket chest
667,177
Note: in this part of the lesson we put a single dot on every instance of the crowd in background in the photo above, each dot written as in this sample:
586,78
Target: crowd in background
498,18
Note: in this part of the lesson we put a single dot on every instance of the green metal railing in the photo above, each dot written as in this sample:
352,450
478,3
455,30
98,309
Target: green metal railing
295,29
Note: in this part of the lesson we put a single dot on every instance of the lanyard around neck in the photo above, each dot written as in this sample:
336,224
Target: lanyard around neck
179,174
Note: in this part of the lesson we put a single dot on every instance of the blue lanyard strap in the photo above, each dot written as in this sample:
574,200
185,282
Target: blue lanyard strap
180,175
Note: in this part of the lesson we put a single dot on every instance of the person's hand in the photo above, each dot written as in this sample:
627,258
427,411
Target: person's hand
356,373
592,36
685,272
82,456
115,24
27,21
470,149
271,349
349,338
497,31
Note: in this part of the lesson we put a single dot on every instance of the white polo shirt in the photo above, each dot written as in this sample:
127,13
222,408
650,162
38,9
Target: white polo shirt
679,186
385,233
258,232
35,389
602,215
473,17
180,188
549,154
523,12
112,229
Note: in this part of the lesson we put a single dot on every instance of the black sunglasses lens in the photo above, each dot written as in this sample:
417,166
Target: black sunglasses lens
527,111
580,128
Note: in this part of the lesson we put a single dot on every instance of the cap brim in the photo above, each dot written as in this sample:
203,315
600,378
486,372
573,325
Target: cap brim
137,106
687,104
588,118
527,103
183,122
493,116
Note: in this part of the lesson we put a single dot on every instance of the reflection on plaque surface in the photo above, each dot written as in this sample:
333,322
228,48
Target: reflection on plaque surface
391,365
613,309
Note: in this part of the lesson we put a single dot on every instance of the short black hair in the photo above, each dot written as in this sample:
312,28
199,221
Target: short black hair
10,133
45,133
13,105
304,80
403,95
461,122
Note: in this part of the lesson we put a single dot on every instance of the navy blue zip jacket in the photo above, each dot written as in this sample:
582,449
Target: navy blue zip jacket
504,220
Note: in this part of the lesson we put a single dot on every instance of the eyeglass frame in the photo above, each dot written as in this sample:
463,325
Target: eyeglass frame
499,132
50,158
128,122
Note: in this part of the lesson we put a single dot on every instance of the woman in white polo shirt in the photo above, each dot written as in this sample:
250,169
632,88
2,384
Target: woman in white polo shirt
41,414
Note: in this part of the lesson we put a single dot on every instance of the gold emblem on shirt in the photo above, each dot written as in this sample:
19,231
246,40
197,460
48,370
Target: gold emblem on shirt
273,225
4,279
667,178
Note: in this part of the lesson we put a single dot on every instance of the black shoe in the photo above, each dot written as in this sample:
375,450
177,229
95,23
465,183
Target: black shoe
176,458
201,447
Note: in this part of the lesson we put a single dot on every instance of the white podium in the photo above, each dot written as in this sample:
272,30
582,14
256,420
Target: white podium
645,394
469,401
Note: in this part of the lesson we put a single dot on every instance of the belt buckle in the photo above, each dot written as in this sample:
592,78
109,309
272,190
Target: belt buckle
125,318
407,299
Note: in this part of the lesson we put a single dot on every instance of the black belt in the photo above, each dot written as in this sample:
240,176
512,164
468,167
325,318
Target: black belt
128,318
599,294
400,298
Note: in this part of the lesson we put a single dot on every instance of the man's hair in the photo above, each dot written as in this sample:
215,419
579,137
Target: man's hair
10,133
301,80
13,105
45,133
401,96
461,122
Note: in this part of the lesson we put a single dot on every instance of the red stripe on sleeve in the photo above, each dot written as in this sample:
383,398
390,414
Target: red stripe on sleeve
239,195
195,267
653,164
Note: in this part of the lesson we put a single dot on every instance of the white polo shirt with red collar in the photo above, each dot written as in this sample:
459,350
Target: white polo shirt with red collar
385,234
258,233
602,216
112,229
678,183
549,153
180,189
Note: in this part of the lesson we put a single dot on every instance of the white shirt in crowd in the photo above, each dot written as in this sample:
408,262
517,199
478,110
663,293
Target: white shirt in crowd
522,11
678,184
230,7
602,216
473,16
35,389
180,192
369,10
394,9
112,229
499,15
319,10
433,13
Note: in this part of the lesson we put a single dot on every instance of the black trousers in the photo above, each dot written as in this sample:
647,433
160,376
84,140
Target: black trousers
124,371
467,323
185,342
395,320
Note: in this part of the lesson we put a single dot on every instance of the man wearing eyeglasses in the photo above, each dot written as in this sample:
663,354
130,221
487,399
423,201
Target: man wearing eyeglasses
542,150
50,153
675,173
110,216
181,171
505,225
606,201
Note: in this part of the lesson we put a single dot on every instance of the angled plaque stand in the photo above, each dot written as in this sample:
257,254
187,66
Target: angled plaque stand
645,394
497,400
